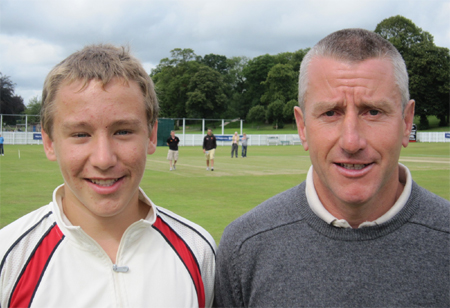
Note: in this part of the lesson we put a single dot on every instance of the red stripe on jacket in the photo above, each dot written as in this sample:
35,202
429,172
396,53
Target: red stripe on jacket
28,283
186,256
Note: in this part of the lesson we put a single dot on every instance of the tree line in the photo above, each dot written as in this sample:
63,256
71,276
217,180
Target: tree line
265,89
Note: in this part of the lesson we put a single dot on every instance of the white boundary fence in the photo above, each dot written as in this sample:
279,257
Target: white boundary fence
197,139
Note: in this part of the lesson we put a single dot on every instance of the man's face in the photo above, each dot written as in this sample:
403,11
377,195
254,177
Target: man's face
101,140
209,132
172,134
354,128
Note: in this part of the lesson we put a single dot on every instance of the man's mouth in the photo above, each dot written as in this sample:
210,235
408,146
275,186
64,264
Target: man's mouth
104,183
353,166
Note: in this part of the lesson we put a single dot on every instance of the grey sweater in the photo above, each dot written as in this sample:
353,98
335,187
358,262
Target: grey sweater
281,254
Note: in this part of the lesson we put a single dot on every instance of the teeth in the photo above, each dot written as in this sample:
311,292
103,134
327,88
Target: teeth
105,183
353,166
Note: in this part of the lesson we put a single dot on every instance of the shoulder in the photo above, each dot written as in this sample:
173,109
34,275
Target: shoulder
187,230
277,212
433,211
27,229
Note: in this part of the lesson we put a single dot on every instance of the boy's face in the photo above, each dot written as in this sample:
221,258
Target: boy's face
101,140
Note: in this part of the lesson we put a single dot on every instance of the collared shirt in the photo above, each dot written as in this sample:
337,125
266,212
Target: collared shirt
318,208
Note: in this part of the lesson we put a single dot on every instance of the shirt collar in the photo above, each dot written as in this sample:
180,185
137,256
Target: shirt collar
58,194
318,208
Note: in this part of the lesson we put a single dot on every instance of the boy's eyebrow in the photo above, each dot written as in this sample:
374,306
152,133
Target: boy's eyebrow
68,125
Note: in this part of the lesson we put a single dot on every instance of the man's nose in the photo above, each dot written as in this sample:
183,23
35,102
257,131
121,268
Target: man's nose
352,138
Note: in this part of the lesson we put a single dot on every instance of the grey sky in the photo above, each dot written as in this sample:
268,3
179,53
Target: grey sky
37,34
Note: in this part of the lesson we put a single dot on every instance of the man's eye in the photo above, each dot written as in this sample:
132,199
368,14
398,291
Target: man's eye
330,113
374,112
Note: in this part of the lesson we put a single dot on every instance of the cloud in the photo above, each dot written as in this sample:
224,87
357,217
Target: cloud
36,35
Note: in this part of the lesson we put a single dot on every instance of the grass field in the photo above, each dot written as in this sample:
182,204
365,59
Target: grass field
211,199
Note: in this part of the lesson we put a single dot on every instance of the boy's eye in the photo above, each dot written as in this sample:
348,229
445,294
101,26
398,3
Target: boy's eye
123,132
80,135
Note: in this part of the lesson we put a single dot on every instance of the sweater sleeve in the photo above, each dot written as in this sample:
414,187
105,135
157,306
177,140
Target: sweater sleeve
226,287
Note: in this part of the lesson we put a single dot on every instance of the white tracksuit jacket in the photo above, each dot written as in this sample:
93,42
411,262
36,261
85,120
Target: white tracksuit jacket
162,261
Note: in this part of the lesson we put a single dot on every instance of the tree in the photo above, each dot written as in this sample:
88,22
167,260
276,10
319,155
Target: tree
255,72
172,78
288,110
427,64
280,84
216,62
206,98
257,114
33,109
10,103
274,113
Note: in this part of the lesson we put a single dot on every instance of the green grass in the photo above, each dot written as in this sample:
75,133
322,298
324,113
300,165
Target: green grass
211,199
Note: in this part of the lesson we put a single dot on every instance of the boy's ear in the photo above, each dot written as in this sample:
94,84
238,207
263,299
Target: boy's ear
153,139
48,146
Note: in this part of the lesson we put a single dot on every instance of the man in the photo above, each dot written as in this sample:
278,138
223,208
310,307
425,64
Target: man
2,140
359,232
209,149
244,145
102,242
234,144
172,142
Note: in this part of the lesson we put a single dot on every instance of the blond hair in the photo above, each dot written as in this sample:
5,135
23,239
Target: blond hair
101,62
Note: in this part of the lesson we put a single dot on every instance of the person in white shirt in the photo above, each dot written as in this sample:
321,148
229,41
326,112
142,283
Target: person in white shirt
102,242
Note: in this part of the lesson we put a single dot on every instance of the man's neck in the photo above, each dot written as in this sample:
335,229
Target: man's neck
357,213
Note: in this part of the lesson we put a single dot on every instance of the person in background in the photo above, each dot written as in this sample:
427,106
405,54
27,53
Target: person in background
209,148
244,145
2,140
172,155
234,144
359,232
102,242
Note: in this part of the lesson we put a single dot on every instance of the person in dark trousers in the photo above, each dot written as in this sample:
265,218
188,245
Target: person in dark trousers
2,140
359,232
244,145
234,145
209,148
172,155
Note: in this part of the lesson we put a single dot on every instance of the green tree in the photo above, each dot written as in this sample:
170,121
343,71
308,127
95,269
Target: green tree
206,98
10,103
288,110
257,114
255,72
216,62
280,84
172,78
275,114
33,109
427,64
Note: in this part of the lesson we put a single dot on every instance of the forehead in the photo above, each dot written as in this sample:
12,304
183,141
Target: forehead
78,100
372,77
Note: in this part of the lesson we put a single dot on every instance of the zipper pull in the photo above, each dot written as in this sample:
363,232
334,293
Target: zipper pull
120,269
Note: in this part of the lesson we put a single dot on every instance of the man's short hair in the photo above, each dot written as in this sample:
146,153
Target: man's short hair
101,62
355,45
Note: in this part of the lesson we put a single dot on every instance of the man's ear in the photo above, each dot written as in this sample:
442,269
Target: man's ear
153,139
408,119
301,128
48,146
